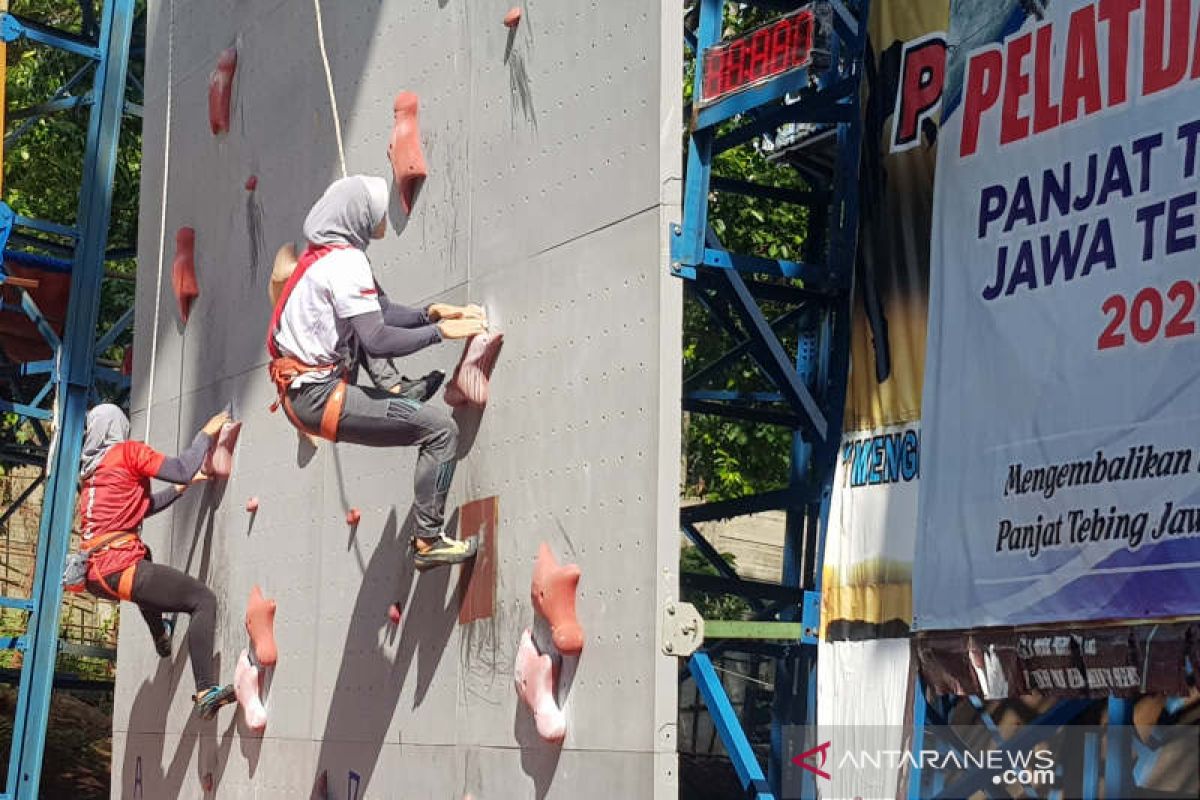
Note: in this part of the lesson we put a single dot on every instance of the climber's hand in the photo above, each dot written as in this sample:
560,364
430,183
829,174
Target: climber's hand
213,426
461,328
439,311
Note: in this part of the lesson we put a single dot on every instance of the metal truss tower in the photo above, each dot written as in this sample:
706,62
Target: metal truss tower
770,79
70,375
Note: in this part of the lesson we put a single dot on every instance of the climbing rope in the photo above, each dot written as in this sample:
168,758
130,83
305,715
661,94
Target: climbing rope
337,125
162,218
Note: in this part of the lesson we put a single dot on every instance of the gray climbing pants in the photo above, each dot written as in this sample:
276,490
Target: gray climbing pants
376,418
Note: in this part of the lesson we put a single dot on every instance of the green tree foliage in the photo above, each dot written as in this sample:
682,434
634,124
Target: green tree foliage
711,606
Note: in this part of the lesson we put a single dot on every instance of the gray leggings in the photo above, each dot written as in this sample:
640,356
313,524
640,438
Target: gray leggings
376,418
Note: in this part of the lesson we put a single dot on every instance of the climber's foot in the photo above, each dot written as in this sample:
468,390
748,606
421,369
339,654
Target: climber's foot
162,644
440,552
420,389
211,699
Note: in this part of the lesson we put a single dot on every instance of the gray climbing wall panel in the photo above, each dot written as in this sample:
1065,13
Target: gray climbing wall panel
553,159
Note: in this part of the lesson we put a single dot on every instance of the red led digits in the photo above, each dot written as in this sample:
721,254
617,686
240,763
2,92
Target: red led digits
760,54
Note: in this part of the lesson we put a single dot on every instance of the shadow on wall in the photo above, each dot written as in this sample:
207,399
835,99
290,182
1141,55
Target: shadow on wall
369,680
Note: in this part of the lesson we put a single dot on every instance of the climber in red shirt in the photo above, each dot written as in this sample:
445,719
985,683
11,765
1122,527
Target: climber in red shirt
114,498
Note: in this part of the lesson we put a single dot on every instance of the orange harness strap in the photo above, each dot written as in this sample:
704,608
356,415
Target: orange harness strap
283,371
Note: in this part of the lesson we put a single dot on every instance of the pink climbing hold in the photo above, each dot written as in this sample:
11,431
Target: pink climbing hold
404,150
183,271
394,613
513,18
252,505
220,90
533,676
553,595
469,385
218,462
353,516
247,686
260,624
251,183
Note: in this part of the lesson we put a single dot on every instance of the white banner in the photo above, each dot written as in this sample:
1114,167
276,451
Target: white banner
1062,389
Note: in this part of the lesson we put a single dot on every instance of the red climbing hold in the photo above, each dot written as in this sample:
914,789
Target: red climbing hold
513,18
127,362
470,382
251,183
533,676
252,505
247,686
206,782
394,613
260,624
553,595
183,271
220,89
404,150
353,516
218,463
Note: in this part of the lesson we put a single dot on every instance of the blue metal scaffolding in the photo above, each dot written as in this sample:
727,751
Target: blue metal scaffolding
808,385
70,375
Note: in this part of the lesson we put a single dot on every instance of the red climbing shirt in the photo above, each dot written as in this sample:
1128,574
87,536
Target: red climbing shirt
117,495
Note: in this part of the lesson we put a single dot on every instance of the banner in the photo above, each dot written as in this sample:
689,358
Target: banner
1062,399
867,578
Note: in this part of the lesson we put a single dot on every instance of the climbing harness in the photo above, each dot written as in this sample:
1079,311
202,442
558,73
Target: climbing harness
116,552
285,369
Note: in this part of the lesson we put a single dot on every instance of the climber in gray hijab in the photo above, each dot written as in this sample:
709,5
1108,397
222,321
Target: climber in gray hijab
333,303
114,498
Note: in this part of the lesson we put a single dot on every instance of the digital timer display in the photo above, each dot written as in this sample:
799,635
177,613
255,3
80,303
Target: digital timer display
764,52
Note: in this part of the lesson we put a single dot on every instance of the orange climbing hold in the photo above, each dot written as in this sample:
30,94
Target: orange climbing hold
252,505
260,624
220,91
183,271
218,462
470,382
513,18
553,595
404,150
533,676
353,516
247,685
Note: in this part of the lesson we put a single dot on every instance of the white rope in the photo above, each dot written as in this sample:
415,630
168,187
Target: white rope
162,219
337,124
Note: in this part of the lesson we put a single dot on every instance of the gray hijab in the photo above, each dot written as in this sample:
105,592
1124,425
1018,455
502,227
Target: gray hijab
106,425
348,212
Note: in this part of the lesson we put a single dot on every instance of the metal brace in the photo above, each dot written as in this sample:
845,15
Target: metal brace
683,629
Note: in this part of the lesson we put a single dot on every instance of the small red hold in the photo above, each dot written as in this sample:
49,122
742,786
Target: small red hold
553,595
206,782
220,90
127,362
183,271
513,18
260,624
353,516
252,505
404,150
251,183
394,613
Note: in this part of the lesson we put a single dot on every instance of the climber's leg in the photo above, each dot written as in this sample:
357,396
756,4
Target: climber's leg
158,588
154,620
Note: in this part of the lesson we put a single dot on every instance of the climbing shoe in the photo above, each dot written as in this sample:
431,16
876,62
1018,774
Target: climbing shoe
423,388
211,699
162,644
444,552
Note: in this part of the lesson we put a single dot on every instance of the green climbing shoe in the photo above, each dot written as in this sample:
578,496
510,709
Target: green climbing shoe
444,552
211,699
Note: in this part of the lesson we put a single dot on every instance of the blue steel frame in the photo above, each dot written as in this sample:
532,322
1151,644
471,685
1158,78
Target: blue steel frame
72,373
809,388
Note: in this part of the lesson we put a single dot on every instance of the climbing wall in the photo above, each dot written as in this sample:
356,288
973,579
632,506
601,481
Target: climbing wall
552,150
